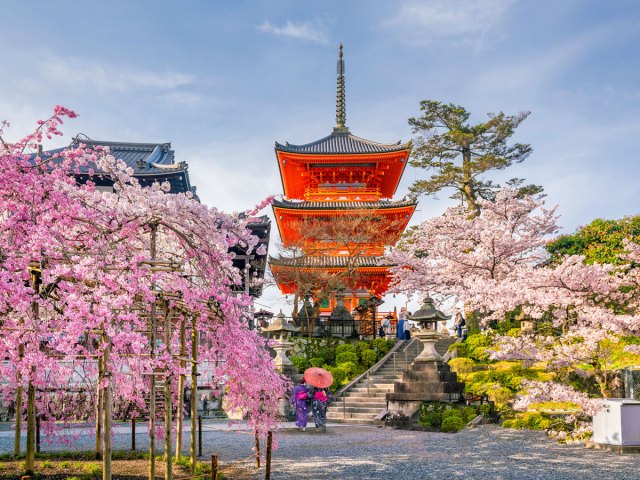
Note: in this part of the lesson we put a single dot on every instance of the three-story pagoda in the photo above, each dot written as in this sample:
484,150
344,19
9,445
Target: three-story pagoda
339,179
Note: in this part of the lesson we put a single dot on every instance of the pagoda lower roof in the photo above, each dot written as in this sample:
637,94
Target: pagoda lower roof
379,205
338,261
343,142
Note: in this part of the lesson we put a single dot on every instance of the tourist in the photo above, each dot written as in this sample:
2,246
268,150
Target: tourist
459,323
300,401
319,400
384,327
402,318
407,329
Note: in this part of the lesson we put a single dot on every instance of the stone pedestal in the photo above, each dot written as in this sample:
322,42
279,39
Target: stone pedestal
428,338
424,381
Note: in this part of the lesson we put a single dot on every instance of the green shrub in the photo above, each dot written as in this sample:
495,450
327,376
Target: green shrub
300,363
514,332
383,345
461,365
362,347
469,413
452,423
345,347
93,469
328,353
368,358
349,368
485,409
344,357
339,376
317,362
452,412
430,419
46,464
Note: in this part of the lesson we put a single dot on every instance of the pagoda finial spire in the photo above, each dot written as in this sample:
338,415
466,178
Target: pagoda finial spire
341,111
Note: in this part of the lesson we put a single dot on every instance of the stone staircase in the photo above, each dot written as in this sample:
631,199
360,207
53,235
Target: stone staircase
365,399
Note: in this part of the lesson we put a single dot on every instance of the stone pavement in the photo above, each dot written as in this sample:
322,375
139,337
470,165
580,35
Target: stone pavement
363,453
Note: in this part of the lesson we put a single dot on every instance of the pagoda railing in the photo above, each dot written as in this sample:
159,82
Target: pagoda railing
331,193
322,327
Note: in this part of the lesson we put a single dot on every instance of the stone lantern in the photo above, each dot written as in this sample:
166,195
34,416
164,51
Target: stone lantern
280,331
428,317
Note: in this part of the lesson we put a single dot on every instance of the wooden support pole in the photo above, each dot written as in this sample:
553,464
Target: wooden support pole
199,435
37,433
133,434
168,421
152,379
181,380
214,467
99,405
267,472
194,392
18,431
31,427
257,450
107,408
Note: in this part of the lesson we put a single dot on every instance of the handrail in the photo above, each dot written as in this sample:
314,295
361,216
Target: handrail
447,356
375,368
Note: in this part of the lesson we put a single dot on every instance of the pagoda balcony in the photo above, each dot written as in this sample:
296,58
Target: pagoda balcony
340,193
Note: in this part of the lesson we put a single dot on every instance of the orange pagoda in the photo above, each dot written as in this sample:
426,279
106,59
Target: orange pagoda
340,180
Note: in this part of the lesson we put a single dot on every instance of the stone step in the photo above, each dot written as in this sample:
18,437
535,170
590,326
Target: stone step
338,405
361,416
373,389
371,411
355,421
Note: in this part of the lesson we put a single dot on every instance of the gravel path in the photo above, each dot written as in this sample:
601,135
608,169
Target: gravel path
370,453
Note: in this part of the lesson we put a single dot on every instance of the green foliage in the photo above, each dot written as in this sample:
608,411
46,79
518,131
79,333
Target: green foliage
453,412
368,358
93,469
362,347
531,421
452,423
349,368
457,153
345,347
300,363
600,242
339,377
430,419
469,413
383,345
46,464
474,347
344,357
317,362
485,409
65,464
462,365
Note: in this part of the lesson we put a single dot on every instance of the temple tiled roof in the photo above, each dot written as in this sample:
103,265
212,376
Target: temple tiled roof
342,205
330,262
343,142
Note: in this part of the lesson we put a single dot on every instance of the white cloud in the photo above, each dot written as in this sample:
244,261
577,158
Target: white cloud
453,21
106,78
312,32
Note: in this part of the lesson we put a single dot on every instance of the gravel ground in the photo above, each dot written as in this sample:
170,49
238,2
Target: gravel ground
359,452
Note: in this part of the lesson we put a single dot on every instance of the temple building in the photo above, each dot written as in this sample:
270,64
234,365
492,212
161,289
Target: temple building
337,215
156,162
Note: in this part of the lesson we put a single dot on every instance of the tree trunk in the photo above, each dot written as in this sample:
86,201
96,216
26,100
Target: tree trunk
181,392
468,191
152,380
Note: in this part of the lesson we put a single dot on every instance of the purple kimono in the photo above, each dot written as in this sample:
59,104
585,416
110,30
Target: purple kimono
299,401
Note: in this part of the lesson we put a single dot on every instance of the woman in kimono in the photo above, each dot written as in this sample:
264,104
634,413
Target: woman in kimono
319,400
402,318
300,401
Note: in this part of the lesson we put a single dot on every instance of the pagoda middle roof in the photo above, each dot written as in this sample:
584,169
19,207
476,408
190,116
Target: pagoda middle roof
342,205
343,142
338,261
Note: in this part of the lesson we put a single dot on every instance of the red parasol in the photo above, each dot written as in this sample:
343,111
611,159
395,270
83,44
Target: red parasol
318,377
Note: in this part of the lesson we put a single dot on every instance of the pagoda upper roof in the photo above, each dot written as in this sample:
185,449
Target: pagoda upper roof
283,203
341,141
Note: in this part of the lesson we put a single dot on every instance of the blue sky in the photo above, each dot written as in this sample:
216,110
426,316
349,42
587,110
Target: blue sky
223,80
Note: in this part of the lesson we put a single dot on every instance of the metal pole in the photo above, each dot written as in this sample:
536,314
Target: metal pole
368,382
344,407
267,473
394,361
194,392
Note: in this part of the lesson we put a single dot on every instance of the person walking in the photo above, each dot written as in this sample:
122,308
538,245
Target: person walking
407,328
402,318
319,401
459,323
300,401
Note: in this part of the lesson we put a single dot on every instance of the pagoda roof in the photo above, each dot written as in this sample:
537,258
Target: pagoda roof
342,205
342,261
341,141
